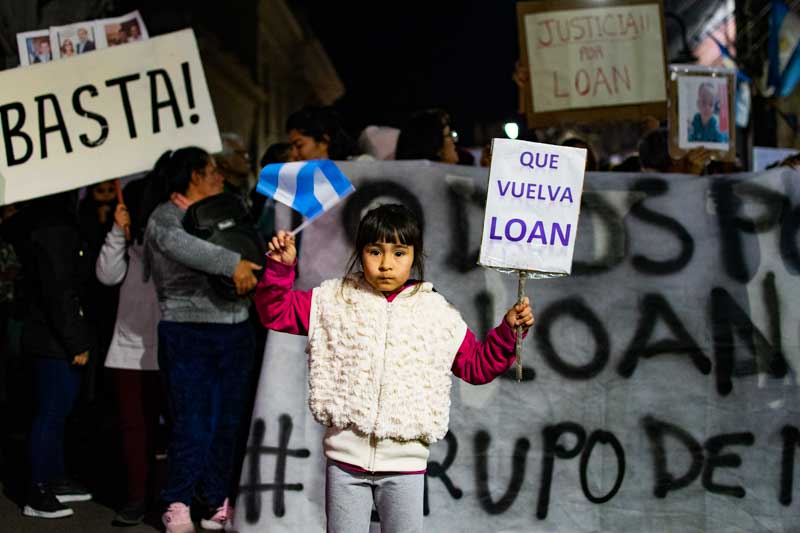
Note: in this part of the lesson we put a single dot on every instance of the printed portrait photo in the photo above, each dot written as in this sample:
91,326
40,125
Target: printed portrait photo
703,112
85,39
128,28
34,47
73,39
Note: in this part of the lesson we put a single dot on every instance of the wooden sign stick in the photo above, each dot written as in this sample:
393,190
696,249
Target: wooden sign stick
518,348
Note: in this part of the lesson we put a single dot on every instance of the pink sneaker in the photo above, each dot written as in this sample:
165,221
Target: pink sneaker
177,519
221,519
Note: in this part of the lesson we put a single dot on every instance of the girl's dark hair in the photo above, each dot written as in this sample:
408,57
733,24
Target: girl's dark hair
323,124
389,223
423,136
172,173
134,195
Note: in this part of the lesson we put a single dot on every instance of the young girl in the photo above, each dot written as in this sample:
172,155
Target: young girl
381,349
131,359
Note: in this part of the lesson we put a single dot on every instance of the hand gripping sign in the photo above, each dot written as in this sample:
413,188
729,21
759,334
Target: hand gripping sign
532,205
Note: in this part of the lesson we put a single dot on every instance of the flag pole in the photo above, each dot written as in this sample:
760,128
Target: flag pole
518,347
300,228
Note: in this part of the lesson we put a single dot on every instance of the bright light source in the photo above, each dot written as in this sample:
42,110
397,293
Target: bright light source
454,133
511,129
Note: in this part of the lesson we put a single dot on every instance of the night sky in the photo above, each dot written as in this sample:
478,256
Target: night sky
398,57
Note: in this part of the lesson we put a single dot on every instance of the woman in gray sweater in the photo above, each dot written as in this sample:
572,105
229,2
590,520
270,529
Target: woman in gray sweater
205,341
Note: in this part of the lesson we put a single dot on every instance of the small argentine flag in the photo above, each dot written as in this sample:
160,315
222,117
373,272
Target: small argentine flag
309,187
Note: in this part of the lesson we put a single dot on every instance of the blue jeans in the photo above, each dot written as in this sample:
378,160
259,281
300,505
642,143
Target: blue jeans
57,384
205,368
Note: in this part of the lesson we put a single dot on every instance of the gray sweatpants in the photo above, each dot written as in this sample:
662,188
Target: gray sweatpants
349,497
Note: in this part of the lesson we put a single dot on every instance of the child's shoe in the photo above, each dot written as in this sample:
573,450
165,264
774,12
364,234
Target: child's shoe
131,514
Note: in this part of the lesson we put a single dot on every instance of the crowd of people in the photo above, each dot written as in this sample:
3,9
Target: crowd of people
122,296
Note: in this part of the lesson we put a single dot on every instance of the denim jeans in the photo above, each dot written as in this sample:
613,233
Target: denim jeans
57,384
205,368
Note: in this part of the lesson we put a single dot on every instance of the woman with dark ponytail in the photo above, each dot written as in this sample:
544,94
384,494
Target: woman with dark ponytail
205,341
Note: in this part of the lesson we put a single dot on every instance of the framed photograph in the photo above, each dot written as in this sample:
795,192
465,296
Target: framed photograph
73,39
34,47
593,60
701,113
126,29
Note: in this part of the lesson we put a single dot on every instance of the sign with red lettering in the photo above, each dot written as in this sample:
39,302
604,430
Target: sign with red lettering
582,57
532,206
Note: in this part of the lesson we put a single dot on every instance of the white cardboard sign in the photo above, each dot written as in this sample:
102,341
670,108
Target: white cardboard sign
532,205
111,113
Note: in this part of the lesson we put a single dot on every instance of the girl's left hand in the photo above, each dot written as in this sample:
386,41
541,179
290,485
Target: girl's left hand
520,315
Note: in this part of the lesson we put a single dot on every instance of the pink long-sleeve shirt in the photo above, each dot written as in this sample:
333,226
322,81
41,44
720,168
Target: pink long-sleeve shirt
283,309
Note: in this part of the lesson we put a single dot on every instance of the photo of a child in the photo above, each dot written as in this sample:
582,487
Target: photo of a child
704,116
705,124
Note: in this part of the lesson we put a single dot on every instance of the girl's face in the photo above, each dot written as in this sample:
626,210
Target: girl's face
387,266
104,192
305,148
705,104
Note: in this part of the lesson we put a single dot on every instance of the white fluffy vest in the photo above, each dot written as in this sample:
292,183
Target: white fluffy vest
382,368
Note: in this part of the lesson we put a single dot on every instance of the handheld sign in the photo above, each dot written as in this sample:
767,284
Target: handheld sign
93,117
532,205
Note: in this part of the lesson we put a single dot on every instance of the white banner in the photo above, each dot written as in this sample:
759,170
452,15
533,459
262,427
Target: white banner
532,205
111,113
660,390
604,56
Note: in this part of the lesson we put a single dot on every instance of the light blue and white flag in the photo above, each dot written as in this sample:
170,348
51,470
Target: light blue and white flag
783,48
309,187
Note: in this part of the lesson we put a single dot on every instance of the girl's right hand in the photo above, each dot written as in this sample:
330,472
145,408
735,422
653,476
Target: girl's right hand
282,248
122,219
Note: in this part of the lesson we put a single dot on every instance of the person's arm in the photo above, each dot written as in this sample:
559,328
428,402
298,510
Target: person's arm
279,307
57,264
112,263
178,245
479,362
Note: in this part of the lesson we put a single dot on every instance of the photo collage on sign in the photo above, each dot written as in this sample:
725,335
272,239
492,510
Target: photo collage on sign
41,46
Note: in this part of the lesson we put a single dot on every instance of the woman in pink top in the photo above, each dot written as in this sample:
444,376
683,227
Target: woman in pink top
381,351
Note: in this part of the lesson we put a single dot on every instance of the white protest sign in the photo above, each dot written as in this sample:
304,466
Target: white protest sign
111,113
532,206
602,56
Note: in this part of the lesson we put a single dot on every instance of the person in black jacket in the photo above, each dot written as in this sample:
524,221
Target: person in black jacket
56,334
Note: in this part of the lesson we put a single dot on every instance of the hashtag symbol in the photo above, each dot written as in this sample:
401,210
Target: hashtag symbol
254,488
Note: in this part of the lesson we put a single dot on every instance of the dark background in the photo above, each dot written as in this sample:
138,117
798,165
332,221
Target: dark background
398,57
